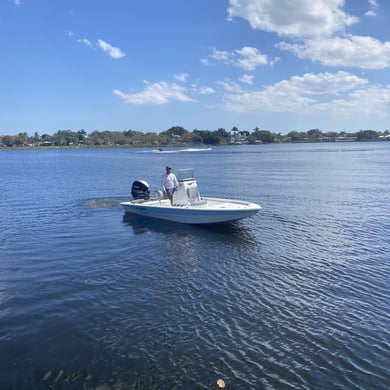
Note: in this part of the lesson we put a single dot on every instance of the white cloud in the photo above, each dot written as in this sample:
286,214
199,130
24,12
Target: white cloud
270,100
298,18
246,79
250,58
18,3
320,27
298,94
217,56
230,86
183,77
247,58
202,90
367,102
353,51
373,7
85,41
220,55
113,52
156,94
325,83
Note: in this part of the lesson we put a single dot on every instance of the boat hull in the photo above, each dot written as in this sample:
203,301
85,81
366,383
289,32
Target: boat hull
209,211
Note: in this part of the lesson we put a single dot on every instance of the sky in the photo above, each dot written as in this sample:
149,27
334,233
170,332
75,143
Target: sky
149,65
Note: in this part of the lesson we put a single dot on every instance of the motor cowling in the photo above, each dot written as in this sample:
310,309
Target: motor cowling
140,190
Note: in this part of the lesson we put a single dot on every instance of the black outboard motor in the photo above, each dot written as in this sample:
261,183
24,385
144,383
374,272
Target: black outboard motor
140,190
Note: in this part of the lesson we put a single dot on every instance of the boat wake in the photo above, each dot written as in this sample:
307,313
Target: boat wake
113,202
186,150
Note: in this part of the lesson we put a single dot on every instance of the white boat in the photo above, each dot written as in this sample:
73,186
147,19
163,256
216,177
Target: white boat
188,206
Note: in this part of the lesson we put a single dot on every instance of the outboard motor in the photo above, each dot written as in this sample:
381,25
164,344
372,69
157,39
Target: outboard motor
140,190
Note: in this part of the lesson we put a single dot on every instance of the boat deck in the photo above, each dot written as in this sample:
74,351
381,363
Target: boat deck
207,203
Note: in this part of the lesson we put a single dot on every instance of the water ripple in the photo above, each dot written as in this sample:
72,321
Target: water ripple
296,297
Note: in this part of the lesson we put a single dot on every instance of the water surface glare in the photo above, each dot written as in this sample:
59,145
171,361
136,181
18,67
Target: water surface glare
295,297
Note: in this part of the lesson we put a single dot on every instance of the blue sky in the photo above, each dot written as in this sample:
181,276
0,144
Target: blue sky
148,65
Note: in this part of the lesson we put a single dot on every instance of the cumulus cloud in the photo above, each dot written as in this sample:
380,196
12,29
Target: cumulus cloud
314,30
250,58
297,19
353,51
113,52
247,58
298,94
364,102
373,7
156,94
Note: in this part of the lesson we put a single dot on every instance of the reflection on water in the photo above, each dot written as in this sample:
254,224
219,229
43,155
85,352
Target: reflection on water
234,232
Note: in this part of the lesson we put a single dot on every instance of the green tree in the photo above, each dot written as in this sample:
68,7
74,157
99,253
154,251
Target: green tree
82,134
296,136
367,135
263,136
175,130
151,139
20,140
65,137
314,134
192,138
210,138
95,139
8,140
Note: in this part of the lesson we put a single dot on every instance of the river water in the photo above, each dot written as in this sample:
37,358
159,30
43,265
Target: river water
295,297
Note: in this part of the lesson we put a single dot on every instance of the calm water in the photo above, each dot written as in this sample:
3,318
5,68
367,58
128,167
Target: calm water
296,297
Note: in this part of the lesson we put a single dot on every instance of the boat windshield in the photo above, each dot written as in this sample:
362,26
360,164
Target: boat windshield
185,174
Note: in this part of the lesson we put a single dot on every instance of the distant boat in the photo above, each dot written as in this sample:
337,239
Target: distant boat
188,206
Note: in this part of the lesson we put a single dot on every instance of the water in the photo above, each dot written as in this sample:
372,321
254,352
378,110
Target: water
296,297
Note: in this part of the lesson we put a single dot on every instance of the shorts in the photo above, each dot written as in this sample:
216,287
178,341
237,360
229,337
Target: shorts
170,192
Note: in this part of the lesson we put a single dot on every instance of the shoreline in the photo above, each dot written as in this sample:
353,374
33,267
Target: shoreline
13,148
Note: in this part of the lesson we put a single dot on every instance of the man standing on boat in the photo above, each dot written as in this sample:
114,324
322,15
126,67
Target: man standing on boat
169,183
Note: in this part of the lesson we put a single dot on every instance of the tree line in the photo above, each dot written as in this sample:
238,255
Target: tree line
179,135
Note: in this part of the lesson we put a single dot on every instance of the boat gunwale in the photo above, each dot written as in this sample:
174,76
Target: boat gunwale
156,204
